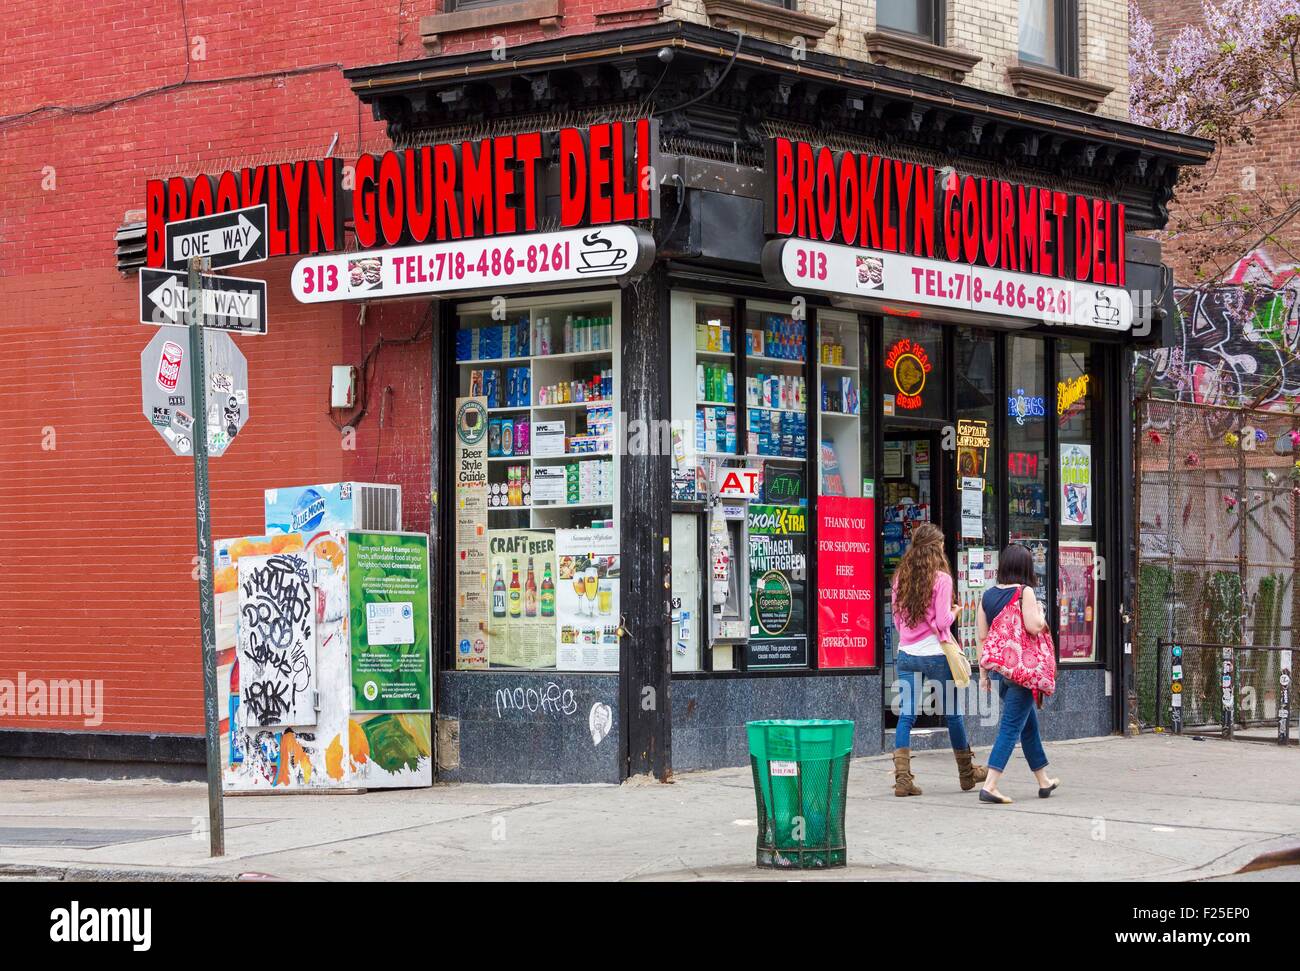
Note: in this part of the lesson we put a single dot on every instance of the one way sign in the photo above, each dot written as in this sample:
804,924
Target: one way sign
229,302
225,238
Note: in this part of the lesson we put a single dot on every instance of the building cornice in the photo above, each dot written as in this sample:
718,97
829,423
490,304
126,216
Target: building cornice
913,53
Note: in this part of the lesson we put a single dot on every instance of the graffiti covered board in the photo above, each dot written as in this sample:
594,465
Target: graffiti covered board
340,749
277,640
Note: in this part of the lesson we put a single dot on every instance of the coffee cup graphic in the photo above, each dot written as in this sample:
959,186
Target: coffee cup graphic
1104,310
599,255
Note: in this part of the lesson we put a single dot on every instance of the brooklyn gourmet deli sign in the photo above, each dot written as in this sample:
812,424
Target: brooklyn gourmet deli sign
454,216
886,231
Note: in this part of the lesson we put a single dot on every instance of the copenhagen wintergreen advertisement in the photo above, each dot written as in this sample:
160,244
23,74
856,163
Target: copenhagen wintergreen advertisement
388,596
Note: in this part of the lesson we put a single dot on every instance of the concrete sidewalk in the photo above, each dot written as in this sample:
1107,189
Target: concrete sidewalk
1148,808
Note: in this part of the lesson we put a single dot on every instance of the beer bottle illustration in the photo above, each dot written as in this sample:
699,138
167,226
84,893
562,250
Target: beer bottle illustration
547,599
516,594
499,595
530,592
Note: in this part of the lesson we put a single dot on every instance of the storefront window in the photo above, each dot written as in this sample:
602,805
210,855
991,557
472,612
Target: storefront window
1077,592
846,503
536,560
976,455
709,608
740,417
1026,410
776,345
913,372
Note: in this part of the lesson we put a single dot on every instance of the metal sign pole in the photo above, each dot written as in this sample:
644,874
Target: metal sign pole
203,530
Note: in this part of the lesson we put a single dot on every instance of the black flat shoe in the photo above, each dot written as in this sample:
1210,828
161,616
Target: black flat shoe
986,796
1044,793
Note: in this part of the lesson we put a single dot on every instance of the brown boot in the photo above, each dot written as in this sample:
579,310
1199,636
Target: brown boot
969,773
903,784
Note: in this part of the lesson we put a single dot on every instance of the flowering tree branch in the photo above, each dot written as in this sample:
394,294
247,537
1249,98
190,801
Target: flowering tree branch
1221,79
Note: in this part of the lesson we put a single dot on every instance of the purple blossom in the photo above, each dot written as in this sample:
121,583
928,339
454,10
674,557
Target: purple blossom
1214,75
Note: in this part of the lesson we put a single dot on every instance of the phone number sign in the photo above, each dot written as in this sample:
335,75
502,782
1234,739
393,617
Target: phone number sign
872,275
607,252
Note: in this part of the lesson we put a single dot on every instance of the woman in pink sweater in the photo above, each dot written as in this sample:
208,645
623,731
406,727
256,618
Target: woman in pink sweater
924,610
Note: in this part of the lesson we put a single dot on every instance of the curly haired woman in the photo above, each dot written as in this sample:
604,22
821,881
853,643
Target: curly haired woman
924,610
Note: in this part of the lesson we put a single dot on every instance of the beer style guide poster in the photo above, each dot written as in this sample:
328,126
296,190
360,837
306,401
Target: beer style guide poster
388,586
471,512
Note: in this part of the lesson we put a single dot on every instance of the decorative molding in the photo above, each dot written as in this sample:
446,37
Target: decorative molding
631,10
913,53
756,13
433,26
1033,81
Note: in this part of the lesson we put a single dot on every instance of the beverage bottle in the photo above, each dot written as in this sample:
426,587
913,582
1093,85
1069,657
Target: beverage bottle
530,592
516,594
547,598
499,595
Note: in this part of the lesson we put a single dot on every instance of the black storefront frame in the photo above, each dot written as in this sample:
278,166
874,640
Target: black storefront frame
740,291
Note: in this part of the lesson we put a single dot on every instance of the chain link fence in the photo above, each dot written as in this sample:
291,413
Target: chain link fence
1218,562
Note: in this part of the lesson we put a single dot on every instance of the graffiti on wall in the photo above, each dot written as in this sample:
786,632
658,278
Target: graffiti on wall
277,640
1237,341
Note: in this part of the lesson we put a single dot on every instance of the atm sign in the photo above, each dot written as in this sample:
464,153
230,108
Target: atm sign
738,483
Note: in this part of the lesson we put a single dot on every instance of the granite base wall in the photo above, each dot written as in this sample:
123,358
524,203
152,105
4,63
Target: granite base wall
709,715
527,727
1080,708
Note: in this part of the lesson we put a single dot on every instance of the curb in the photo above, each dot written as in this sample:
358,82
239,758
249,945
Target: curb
86,874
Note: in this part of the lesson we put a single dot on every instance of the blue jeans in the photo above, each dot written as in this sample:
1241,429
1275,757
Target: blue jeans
912,672
1019,720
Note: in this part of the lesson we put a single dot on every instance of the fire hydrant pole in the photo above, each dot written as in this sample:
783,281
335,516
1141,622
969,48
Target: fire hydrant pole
203,531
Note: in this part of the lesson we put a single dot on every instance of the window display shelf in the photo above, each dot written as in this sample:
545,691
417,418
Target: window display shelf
573,456
540,358
572,405
796,459
572,505
717,404
494,360
764,359
573,355
785,411
839,354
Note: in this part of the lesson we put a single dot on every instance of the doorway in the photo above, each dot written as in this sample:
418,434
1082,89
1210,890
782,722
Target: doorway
914,488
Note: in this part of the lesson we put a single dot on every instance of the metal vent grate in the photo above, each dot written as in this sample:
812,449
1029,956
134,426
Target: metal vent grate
129,241
380,507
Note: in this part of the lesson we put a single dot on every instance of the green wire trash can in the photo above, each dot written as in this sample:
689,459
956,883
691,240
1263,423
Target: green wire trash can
801,773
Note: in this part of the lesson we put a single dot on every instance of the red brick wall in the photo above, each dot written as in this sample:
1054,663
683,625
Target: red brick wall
97,534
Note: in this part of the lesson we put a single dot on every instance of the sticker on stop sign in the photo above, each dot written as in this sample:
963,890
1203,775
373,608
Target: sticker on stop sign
167,393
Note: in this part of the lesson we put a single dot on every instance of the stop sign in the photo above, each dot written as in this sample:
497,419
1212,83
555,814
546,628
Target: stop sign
168,399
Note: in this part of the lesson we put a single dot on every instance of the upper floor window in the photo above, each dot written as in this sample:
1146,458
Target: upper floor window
923,18
1047,34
